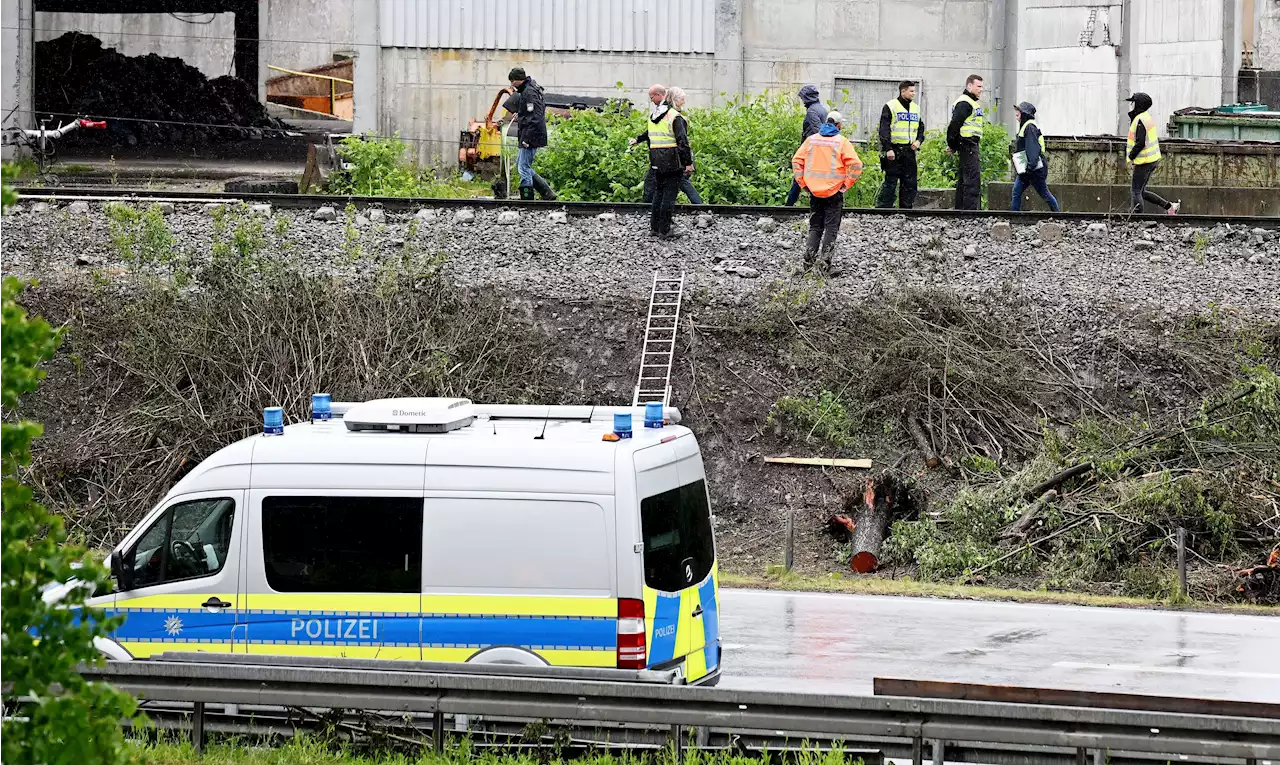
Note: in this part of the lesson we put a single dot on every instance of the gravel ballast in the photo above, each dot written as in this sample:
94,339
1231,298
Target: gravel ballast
1092,267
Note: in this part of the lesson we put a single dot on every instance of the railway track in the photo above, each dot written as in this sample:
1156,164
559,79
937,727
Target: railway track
313,201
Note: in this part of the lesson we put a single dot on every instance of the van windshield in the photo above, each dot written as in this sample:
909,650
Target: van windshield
678,544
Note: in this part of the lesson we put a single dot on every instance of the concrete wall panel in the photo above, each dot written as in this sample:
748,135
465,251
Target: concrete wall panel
1068,103
300,34
205,41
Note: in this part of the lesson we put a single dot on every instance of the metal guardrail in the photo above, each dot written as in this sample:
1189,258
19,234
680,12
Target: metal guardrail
534,694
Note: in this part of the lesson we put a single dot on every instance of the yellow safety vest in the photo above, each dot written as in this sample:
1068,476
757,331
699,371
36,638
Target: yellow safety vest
906,122
1022,130
1151,151
662,134
972,127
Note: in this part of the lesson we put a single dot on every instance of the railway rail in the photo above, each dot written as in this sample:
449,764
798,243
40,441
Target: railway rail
312,201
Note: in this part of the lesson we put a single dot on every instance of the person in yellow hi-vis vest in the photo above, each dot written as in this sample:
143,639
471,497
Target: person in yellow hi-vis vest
1143,155
964,137
901,133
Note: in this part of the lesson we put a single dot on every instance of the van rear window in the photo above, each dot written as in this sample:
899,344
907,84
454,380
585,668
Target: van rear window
678,544
342,544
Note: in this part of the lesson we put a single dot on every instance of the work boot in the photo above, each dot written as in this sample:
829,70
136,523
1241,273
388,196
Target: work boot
824,263
543,188
810,259
526,192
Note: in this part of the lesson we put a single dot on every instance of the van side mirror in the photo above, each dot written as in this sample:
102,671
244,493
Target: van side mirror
121,571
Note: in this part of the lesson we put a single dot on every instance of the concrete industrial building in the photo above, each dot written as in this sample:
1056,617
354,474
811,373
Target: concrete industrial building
424,67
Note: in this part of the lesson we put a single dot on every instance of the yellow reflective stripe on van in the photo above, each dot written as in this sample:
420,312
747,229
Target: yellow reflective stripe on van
145,650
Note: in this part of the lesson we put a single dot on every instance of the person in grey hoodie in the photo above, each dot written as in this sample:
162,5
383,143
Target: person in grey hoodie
815,114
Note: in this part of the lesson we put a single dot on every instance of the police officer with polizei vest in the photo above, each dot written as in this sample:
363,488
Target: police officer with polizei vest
964,136
901,133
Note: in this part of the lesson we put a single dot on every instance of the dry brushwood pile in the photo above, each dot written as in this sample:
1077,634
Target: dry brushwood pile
1021,434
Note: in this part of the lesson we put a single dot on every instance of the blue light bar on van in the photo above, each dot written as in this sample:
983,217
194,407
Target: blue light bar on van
622,424
321,407
273,421
653,414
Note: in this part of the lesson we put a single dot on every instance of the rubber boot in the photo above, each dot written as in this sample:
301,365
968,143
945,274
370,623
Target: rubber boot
810,258
526,192
824,263
543,188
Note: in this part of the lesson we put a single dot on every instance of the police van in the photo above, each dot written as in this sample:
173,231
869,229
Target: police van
435,529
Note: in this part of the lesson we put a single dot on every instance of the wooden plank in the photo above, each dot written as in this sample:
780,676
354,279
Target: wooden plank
934,689
820,462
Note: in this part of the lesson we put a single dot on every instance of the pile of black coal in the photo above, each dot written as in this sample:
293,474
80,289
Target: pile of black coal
145,99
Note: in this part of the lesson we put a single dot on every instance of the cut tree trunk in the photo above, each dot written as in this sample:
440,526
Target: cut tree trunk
872,512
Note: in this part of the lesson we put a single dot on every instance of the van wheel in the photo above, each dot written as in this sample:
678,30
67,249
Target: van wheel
508,656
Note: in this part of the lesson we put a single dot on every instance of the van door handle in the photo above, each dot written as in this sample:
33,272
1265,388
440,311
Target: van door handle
214,602
697,612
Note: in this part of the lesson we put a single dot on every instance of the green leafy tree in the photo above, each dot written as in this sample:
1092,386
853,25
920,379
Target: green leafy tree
69,721
7,194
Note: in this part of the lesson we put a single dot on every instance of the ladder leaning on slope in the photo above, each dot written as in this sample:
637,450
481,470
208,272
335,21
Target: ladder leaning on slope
653,383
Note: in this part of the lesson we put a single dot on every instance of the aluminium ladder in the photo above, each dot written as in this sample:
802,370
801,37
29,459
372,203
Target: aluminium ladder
660,328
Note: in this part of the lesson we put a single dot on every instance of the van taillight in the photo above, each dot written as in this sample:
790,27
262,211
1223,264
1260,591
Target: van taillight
632,653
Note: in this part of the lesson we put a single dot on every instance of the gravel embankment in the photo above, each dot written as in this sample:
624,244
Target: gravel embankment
1126,267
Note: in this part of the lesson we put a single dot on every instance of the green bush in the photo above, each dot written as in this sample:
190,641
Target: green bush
381,167
742,151
70,720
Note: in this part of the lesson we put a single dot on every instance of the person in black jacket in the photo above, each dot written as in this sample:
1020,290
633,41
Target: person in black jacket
964,136
675,97
901,133
1029,146
815,115
531,129
512,105
670,158
1143,155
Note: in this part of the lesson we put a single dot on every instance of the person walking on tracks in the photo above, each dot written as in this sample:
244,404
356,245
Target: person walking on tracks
815,115
531,132
964,136
676,97
827,166
1143,155
670,159
901,133
1030,161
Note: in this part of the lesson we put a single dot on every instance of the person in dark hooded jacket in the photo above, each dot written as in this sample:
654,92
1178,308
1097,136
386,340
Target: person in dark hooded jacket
531,128
815,116
540,184
1143,155
1030,159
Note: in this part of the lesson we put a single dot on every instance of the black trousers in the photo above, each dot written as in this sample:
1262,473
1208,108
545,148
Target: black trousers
969,178
899,170
686,186
824,225
1138,191
665,188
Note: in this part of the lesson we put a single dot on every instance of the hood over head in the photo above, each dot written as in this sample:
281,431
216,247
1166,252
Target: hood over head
1141,103
1028,110
809,95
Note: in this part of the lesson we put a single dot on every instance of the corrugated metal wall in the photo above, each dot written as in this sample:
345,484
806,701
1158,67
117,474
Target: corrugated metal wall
657,26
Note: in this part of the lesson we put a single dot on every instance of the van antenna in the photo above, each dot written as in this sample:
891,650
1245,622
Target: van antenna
543,435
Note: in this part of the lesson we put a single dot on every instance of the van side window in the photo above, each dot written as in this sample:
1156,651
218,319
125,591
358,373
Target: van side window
678,545
342,544
190,540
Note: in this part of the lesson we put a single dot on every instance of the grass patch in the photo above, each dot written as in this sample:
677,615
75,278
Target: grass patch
313,751
874,585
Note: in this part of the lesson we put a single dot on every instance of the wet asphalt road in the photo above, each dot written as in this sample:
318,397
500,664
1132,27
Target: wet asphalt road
838,643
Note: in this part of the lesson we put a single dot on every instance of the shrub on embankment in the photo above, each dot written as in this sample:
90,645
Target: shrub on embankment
742,152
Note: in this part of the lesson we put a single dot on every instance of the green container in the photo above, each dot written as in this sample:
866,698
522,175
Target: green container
1241,108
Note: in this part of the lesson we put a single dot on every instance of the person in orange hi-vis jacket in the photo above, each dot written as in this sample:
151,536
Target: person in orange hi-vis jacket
827,166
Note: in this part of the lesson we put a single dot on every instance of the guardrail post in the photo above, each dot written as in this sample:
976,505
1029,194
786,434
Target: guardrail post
939,751
789,557
677,742
197,727
1082,756
437,731
1182,562
917,750
1099,756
